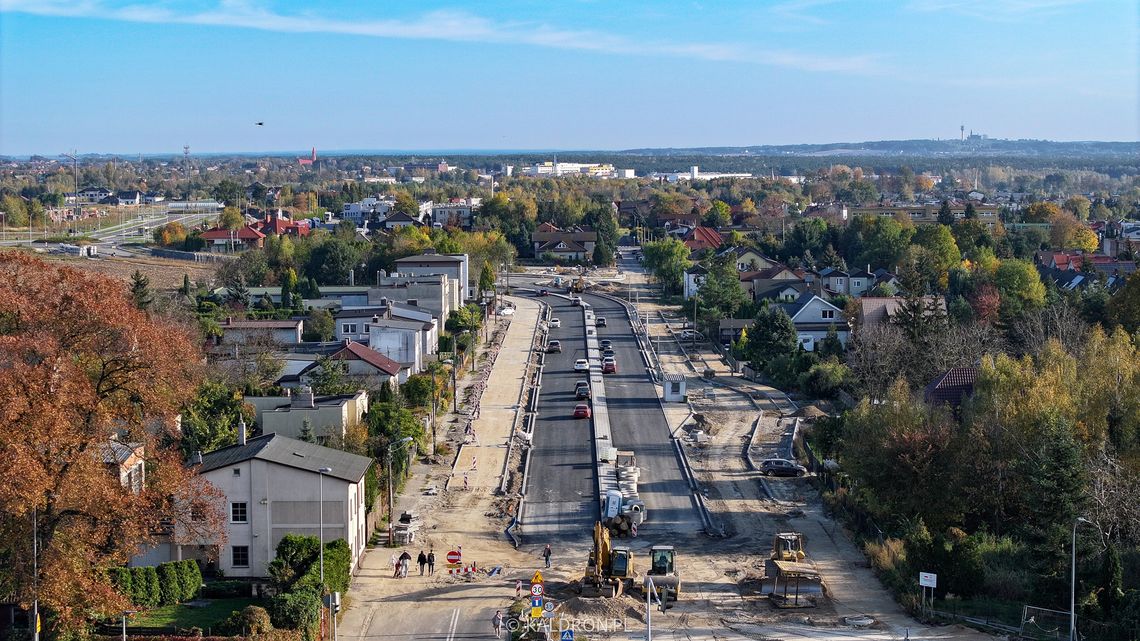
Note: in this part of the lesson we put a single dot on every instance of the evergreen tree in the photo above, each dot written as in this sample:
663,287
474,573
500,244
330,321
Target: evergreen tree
307,432
140,291
831,258
1112,581
971,211
772,335
945,216
237,292
185,289
288,288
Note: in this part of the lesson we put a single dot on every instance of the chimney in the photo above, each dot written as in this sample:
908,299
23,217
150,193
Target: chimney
198,457
241,431
351,277
347,342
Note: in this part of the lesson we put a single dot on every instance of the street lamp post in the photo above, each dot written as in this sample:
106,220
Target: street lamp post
35,575
434,409
126,613
321,509
1073,582
391,497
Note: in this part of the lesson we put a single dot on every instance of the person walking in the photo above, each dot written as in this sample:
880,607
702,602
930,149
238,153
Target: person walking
422,561
404,559
497,622
546,554
431,562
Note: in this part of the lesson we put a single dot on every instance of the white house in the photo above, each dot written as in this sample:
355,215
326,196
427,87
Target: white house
399,340
273,486
813,318
457,213
694,278
282,332
454,266
329,417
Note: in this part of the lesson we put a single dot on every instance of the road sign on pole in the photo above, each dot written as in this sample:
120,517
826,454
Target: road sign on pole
928,579
537,578
567,635
454,556
536,590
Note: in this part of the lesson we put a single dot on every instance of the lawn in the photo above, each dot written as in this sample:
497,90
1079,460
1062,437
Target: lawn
184,616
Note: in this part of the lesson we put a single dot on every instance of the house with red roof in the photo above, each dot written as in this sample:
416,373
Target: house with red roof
280,225
220,239
702,238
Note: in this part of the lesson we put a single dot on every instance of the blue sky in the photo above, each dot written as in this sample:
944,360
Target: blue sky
132,76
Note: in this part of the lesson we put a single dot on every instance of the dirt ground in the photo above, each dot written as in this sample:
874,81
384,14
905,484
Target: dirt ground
164,274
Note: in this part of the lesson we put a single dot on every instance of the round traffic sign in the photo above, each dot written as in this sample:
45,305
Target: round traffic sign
454,556
536,589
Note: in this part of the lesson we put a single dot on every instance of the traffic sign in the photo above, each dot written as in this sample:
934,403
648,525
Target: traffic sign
536,589
536,613
537,578
454,556
548,606
536,602
928,579
567,635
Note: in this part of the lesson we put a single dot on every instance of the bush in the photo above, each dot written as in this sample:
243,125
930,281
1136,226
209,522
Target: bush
824,380
121,579
250,620
298,610
169,585
153,589
232,589
191,579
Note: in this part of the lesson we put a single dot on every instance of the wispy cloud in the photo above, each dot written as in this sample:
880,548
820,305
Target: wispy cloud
800,11
995,10
445,25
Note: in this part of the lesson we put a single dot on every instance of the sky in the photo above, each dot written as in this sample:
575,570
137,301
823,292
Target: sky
139,76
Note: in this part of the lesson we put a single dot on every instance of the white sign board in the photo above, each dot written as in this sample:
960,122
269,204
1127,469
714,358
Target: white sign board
928,579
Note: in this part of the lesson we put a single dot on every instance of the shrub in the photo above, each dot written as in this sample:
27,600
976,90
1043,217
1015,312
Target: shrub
139,595
153,591
824,380
121,579
169,585
250,620
191,578
298,610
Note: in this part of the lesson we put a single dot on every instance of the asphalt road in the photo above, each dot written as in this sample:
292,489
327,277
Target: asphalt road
561,491
637,423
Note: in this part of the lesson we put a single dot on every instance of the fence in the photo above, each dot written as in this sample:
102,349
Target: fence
198,257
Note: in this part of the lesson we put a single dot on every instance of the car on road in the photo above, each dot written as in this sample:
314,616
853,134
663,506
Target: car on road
606,344
688,335
600,321
575,300
554,322
607,353
543,292
781,467
609,365
581,410
554,347
582,392
581,365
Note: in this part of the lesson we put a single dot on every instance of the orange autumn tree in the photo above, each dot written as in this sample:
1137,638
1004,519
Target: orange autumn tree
80,365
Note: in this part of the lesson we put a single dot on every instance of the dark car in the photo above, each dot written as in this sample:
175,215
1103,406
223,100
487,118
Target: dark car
554,347
606,344
543,292
607,352
601,321
582,392
781,467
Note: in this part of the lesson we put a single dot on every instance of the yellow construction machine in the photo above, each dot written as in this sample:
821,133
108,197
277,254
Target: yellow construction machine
609,571
795,581
663,572
788,546
578,285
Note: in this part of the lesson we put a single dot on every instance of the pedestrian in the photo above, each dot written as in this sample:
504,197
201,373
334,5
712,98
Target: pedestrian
518,589
395,566
546,554
431,562
404,559
497,622
422,561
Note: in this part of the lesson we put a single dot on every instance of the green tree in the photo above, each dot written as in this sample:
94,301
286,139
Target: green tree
945,216
1078,206
231,219
1020,285
406,204
320,325
603,255
486,278
1040,212
328,378
667,260
288,288
772,335
15,210
938,240
721,295
307,432
971,212
1124,306
210,419
141,295
185,289
719,215
330,261
228,192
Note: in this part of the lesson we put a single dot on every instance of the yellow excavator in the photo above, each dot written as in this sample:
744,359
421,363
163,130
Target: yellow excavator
609,571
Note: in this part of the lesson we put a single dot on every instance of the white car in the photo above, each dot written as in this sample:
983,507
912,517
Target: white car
554,322
688,335
581,365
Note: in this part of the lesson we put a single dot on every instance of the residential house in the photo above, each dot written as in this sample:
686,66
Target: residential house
813,318
153,198
246,332
951,388
458,212
365,366
777,290
748,259
436,293
281,225
834,281
128,198
358,319
879,310
367,209
732,328
273,486
399,220
127,461
575,243
399,340
454,266
1075,261
860,281
759,284
221,239
702,238
92,195
694,278
329,417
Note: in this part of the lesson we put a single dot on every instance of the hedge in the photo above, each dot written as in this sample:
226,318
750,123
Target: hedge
338,566
169,584
299,610
190,579
230,589
166,584
121,579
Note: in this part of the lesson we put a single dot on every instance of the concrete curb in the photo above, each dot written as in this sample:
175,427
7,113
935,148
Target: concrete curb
752,441
503,476
702,508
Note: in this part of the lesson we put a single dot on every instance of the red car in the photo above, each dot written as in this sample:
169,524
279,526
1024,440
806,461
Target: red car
609,365
581,410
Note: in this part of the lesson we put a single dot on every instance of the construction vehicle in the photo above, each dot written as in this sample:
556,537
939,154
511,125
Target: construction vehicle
609,571
578,286
788,546
663,571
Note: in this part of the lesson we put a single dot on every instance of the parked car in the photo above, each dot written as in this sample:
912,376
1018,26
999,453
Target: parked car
581,365
554,347
688,335
581,410
600,321
554,322
606,344
582,392
609,365
607,353
781,467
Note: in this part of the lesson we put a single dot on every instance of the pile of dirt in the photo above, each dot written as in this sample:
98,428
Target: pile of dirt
810,412
623,607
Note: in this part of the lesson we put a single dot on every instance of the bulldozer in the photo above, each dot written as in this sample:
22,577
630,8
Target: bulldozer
788,546
663,571
578,285
609,571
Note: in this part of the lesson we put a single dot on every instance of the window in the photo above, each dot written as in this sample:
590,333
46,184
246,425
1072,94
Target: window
856,283
237,471
238,513
827,314
348,328
240,556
